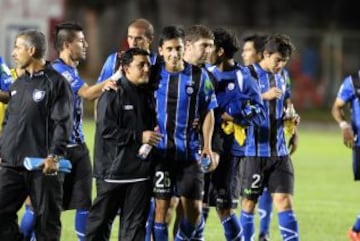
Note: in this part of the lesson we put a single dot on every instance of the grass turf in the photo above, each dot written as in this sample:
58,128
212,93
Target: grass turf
326,199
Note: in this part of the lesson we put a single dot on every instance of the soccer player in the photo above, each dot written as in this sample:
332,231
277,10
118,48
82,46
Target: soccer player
126,120
140,34
251,54
235,90
267,162
184,93
199,42
44,99
71,45
348,93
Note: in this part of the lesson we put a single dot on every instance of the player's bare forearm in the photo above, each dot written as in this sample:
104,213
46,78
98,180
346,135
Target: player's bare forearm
208,129
337,110
93,92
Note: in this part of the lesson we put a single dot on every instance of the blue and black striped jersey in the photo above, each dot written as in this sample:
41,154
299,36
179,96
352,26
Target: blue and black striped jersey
269,139
72,76
181,98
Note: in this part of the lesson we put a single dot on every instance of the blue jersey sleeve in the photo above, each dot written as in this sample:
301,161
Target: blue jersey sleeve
208,91
70,74
251,91
346,91
285,75
108,68
5,78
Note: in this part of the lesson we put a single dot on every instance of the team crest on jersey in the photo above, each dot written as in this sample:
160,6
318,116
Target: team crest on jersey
231,86
38,95
189,89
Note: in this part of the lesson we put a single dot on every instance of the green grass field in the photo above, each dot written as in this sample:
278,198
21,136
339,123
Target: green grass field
326,201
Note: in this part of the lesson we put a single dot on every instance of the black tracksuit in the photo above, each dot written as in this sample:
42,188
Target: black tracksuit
38,122
123,179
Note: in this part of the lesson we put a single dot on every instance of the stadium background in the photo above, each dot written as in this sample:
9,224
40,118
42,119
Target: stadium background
327,37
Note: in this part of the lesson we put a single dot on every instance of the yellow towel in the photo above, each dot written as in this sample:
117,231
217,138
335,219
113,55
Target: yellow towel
239,132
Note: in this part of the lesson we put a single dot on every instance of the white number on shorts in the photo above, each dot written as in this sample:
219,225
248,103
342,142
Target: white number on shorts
162,179
256,181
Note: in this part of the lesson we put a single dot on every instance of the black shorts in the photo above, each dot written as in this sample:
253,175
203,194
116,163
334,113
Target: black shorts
78,183
225,183
178,178
217,141
206,194
275,173
356,163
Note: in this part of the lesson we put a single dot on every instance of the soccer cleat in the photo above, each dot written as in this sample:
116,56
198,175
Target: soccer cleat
264,237
353,236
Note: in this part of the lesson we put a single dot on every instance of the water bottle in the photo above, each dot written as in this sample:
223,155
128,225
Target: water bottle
144,151
205,163
145,148
289,122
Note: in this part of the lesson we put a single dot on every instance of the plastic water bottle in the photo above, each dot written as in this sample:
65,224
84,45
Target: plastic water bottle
144,151
289,123
205,163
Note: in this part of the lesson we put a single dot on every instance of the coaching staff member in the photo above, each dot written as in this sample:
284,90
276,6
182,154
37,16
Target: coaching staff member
126,120
38,124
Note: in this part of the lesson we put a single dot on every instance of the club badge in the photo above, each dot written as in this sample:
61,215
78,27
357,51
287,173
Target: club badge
189,89
38,95
231,86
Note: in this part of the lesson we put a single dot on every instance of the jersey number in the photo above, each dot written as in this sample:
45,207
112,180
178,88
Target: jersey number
256,181
162,179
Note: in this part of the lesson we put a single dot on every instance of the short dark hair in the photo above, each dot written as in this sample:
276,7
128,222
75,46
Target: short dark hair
258,41
35,39
65,32
128,56
198,31
171,32
144,24
226,40
279,43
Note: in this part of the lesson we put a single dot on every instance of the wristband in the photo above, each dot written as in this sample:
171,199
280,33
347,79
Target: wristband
116,76
343,125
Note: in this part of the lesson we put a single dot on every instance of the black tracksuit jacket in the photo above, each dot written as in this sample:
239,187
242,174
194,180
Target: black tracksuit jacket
38,119
122,116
